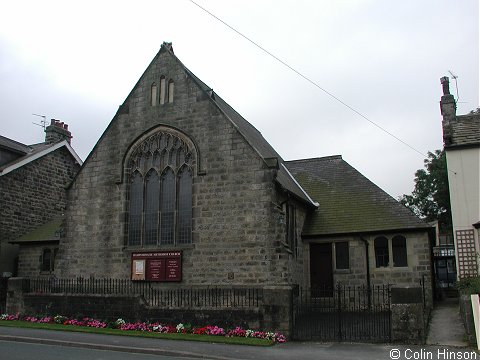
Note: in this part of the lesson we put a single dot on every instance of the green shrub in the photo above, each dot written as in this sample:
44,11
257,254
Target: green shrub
469,285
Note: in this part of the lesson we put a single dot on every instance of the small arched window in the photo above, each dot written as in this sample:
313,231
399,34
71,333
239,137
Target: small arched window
171,89
381,252
399,251
153,95
162,90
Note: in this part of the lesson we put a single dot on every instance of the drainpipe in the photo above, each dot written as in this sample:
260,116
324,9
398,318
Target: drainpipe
368,272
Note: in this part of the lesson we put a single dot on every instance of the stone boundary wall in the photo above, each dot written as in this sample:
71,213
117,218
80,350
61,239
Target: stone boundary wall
466,313
408,315
272,314
133,309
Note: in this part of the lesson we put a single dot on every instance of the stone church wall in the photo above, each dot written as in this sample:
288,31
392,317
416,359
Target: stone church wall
416,274
236,233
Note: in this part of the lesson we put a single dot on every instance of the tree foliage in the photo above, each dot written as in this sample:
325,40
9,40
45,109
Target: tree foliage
430,198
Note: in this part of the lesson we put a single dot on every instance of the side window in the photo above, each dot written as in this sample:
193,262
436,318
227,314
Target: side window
399,251
47,260
342,255
291,235
162,90
171,88
153,95
381,252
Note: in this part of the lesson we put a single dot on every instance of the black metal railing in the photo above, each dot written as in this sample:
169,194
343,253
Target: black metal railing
154,295
351,313
3,294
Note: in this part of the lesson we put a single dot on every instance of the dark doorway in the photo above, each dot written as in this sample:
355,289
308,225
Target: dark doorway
321,274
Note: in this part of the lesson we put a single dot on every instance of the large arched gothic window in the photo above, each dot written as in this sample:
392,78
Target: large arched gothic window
160,192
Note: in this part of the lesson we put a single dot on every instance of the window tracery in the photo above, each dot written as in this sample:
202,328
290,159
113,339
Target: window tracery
160,191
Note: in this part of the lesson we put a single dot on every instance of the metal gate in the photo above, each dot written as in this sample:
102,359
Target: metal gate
342,314
3,294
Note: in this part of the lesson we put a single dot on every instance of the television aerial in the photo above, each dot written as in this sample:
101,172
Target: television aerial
43,122
455,77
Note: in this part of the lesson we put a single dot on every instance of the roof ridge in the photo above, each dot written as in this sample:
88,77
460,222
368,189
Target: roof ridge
17,145
323,158
36,154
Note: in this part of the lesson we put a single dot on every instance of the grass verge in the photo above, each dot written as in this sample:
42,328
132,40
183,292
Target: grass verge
175,336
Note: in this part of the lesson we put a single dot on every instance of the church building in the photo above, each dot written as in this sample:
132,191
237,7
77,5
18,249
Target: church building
181,190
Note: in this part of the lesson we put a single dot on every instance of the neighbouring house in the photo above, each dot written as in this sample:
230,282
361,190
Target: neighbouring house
461,139
182,190
33,181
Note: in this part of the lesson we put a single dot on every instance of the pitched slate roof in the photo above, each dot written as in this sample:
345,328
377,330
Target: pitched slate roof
348,201
46,233
252,136
37,151
465,130
13,145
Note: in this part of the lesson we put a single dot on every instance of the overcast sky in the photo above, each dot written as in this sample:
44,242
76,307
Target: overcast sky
77,62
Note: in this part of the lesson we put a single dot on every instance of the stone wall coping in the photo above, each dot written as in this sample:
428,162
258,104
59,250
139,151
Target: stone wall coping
278,287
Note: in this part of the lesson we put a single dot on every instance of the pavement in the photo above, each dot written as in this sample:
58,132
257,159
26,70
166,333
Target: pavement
202,350
446,327
446,333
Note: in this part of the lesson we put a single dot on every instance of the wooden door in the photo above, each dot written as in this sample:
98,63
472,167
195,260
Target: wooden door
321,273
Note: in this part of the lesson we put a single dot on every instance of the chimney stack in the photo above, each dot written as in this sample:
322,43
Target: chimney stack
448,109
57,131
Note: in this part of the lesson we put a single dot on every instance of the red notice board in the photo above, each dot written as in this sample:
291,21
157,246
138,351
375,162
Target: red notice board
157,266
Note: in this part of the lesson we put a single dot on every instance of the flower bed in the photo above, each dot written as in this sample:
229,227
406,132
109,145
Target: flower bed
149,327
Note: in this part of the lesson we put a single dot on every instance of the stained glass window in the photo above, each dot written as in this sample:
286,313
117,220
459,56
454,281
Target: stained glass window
160,192
152,197
167,221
